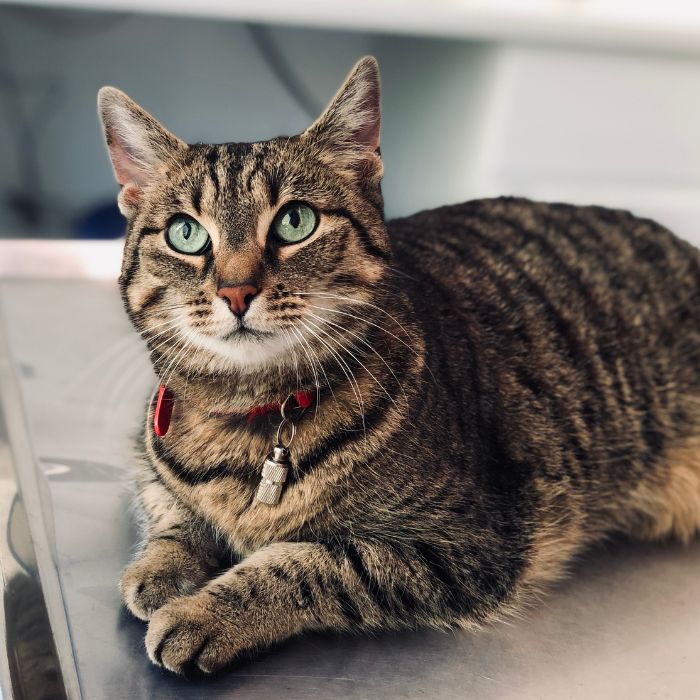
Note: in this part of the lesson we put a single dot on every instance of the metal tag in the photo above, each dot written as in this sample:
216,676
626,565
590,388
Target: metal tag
276,466
274,474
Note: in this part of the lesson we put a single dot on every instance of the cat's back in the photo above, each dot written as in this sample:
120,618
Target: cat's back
569,337
599,266
585,314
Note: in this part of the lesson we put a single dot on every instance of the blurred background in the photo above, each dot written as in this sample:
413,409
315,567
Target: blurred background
590,101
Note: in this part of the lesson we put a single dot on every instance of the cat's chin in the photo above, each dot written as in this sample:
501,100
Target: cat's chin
245,349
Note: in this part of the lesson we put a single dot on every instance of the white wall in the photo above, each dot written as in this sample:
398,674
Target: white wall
605,128
206,82
461,118
203,79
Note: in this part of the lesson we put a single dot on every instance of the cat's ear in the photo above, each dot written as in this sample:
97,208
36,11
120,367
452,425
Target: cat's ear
138,145
349,127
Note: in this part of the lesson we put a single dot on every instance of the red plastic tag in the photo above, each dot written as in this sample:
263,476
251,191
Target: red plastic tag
164,410
304,398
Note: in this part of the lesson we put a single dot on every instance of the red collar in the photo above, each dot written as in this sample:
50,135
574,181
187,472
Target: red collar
166,401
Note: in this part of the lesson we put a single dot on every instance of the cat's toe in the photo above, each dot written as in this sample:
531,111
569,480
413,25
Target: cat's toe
187,634
146,588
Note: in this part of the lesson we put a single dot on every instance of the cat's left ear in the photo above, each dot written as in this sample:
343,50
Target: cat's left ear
349,127
139,146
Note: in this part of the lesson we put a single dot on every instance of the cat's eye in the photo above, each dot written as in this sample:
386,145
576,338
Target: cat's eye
185,235
294,222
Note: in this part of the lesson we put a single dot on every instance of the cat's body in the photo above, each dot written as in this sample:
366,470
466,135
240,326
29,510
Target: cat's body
516,381
569,338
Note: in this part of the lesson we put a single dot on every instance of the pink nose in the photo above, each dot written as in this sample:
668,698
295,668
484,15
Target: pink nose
239,298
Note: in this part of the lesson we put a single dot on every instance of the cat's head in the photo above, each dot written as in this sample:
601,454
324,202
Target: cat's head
237,255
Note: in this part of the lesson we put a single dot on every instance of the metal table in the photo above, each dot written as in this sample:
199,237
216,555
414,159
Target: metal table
73,380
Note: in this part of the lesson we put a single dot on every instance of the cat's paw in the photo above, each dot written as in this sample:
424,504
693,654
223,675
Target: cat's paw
192,633
163,572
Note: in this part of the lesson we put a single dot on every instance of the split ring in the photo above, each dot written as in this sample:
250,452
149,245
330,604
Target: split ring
286,423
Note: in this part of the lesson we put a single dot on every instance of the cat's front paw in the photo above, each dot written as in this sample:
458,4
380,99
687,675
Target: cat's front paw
163,572
192,633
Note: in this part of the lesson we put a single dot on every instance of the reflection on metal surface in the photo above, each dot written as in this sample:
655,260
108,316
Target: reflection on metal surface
34,667
19,541
30,662
61,469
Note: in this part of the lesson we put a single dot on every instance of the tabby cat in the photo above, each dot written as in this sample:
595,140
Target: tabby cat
491,387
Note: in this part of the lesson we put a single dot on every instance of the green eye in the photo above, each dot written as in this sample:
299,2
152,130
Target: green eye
294,222
186,235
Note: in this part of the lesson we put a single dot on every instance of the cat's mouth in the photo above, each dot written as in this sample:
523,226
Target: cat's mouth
244,332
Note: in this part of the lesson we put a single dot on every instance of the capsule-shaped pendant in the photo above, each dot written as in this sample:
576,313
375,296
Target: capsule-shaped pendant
274,474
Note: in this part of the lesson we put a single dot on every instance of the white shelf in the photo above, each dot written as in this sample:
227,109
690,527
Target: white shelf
671,25
55,260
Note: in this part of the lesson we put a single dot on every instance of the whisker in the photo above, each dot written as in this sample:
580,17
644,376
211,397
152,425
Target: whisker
290,343
328,295
101,359
176,358
311,355
359,362
353,382
174,332
193,364
150,337
362,340
402,273
370,323
169,307
153,326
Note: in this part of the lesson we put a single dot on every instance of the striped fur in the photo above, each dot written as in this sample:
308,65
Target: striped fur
498,384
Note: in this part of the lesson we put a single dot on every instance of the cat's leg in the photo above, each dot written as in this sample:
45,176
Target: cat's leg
286,588
176,557
666,503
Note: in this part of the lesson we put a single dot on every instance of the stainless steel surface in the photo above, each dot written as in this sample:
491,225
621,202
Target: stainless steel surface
626,624
37,662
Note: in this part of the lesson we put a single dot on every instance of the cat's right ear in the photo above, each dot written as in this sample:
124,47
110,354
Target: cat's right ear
138,145
348,130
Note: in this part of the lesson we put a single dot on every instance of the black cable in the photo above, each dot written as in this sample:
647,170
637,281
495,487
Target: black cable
277,63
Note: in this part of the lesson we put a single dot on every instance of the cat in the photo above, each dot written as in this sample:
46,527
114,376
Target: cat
478,392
